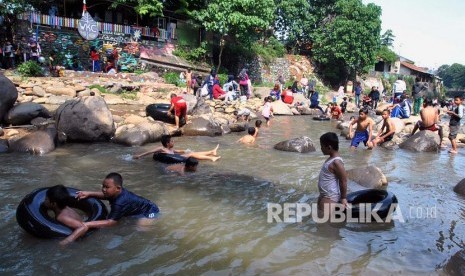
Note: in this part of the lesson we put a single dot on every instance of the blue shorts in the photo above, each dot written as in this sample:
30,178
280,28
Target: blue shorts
359,136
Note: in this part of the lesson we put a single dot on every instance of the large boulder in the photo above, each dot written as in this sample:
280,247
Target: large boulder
85,119
8,95
423,141
191,102
61,91
369,177
23,113
280,108
238,126
138,135
301,144
201,108
399,124
456,264
202,127
460,187
37,142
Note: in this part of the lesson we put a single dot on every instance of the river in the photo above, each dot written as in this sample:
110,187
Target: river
214,222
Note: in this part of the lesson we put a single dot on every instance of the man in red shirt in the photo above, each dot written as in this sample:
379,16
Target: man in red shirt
95,57
180,108
218,93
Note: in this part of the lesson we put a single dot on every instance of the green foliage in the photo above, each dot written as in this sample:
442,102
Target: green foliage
409,81
30,69
128,95
386,54
173,78
192,54
268,52
347,35
453,76
223,78
293,20
100,88
151,8
387,39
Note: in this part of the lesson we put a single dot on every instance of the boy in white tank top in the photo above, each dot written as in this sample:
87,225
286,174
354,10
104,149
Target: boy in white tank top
332,181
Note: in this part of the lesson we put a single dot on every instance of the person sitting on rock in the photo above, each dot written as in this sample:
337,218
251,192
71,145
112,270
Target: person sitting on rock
336,112
287,96
387,130
218,93
429,120
168,148
180,108
403,109
275,93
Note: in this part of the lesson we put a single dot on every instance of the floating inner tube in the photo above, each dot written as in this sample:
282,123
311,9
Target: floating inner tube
169,158
321,118
372,196
32,216
159,112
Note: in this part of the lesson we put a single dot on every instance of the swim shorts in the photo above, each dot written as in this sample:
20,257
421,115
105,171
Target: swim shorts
453,131
359,136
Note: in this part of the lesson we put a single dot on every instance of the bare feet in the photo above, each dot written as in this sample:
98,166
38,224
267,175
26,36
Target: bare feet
215,158
452,151
214,151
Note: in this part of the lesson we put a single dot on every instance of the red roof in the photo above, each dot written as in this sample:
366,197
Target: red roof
414,67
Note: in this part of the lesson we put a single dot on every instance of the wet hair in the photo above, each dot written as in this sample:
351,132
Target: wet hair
59,195
364,110
173,95
258,123
116,177
251,130
165,139
330,139
428,102
191,162
387,110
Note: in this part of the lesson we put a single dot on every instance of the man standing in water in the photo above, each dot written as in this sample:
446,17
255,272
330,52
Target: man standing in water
364,130
332,181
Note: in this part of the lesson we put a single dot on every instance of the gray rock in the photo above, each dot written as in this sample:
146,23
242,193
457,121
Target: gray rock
8,95
301,144
201,108
85,119
3,145
23,113
238,126
38,91
38,142
140,134
191,102
423,141
202,127
369,177
116,88
460,187
456,264
280,108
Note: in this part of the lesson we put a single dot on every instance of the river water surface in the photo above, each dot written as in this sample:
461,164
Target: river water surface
215,221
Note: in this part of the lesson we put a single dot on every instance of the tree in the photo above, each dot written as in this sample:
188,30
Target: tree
387,39
453,76
443,73
293,20
142,7
236,19
347,34
9,9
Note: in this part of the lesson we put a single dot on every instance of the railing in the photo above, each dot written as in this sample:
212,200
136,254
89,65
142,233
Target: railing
58,21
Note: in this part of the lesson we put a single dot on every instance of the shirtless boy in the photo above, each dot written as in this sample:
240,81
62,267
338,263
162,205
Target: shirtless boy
249,138
429,120
167,147
387,130
181,168
364,129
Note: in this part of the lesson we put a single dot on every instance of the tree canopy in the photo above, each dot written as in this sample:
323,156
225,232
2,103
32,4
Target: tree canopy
453,76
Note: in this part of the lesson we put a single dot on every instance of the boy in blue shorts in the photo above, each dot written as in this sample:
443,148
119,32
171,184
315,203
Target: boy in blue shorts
364,129
123,203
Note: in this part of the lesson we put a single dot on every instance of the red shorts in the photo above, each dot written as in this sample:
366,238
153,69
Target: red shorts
180,110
